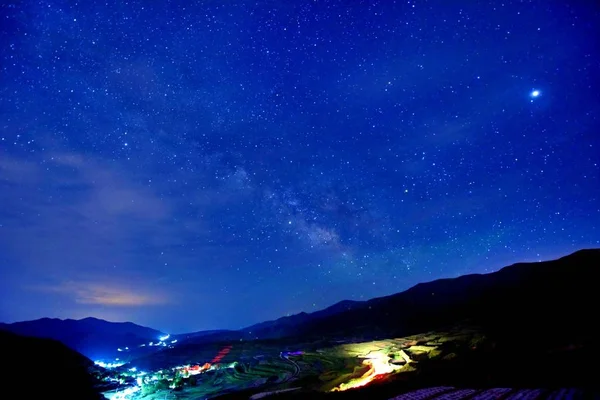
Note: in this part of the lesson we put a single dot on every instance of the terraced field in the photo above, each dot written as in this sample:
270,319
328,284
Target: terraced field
242,376
326,369
254,369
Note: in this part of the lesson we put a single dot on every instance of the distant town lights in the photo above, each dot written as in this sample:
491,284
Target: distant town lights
108,365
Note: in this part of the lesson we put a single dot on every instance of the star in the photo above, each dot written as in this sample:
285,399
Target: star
281,170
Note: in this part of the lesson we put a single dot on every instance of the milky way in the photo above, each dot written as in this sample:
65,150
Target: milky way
215,165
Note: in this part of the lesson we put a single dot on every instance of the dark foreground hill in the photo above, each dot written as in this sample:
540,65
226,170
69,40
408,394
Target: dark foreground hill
96,338
556,297
517,302
34,368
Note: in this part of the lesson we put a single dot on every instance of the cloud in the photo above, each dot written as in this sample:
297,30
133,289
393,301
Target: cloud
94,188
108,193
68,214
14,170
89,293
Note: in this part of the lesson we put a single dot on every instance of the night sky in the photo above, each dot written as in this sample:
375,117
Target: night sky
218,164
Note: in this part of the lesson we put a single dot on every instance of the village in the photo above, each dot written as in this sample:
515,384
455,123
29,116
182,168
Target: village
133,382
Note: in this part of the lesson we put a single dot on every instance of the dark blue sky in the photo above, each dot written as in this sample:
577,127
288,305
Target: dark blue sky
216,164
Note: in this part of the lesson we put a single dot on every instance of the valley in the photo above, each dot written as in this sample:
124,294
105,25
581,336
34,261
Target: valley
525,327
320,367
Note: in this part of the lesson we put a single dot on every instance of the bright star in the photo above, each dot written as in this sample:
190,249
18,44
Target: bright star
535,93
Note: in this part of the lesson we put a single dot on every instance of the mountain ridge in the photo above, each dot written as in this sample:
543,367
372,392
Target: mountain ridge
95,338
364,303
460,279
438,299
467,296
419,295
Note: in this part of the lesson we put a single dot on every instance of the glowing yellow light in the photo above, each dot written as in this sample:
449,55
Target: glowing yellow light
378,365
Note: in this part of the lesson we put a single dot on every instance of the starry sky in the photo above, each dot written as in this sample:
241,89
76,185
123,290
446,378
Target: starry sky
201,165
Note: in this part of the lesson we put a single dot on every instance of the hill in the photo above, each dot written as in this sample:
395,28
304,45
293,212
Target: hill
36,368
275,329
199,334
283,326
96,338
555,295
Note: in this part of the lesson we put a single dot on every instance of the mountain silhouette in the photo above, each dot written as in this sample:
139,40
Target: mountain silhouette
45,368
521,299
95,338
555,296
